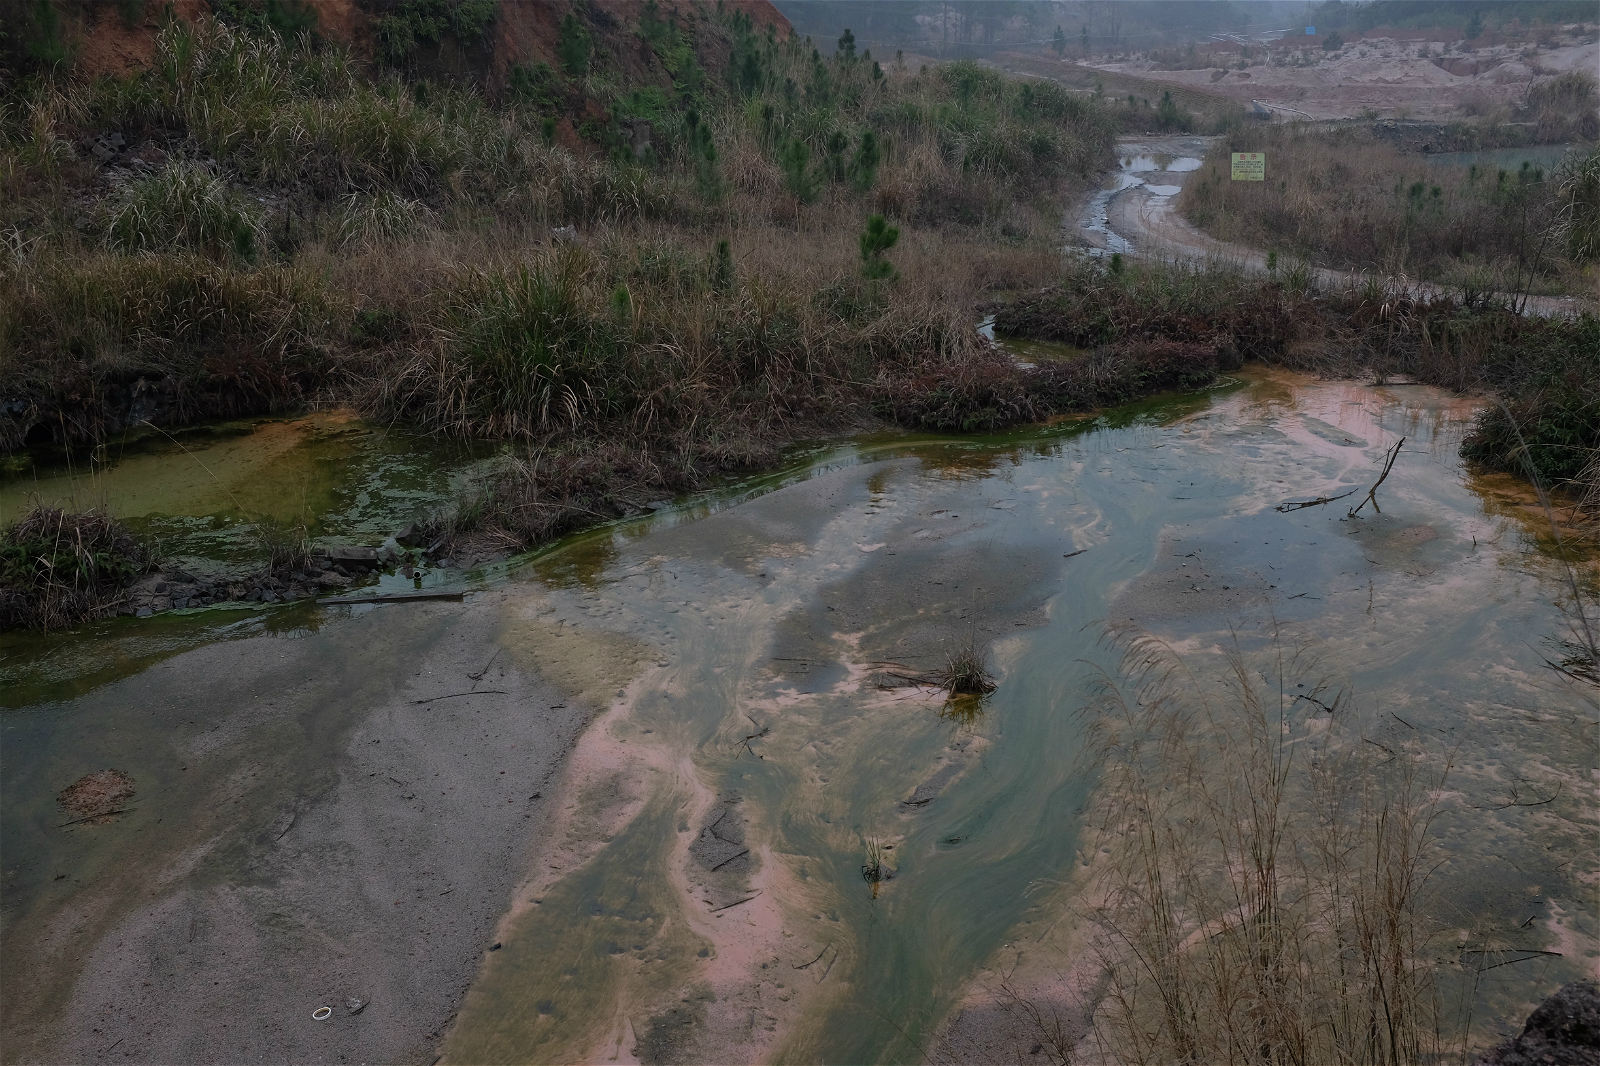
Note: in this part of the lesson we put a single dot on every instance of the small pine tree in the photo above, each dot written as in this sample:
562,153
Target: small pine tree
573,46
703,156
621,304
1473,27
837,143
794,159
847,47
1060,42
722,269
878,239
864,165
1171,116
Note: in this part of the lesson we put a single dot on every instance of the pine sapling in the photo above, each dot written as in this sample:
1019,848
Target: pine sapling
878,239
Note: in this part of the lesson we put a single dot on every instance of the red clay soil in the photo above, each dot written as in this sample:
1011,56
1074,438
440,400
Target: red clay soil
525,32
93,798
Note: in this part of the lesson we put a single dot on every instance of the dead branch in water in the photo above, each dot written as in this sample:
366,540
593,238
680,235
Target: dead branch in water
1295,505
1372,493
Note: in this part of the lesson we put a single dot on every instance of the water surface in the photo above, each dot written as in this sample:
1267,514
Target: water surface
777,619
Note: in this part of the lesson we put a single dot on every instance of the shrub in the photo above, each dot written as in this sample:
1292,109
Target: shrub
58,569
574,46
184,206
878,238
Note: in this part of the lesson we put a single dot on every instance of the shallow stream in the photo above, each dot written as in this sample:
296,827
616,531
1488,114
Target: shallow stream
703,895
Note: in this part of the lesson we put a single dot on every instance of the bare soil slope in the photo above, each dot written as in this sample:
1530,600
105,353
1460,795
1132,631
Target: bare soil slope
1399,78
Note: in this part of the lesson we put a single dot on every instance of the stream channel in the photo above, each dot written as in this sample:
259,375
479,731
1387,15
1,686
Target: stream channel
687,884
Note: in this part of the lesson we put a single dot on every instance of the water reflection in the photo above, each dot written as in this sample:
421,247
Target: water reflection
738,638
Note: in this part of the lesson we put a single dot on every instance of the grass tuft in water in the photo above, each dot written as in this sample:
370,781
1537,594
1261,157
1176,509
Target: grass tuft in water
285,545
966,672
874,870
1263,886
58,569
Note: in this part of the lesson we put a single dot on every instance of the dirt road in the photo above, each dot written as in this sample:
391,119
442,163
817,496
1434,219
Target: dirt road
1135,212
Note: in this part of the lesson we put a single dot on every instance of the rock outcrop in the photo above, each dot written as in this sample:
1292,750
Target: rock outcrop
1564,1030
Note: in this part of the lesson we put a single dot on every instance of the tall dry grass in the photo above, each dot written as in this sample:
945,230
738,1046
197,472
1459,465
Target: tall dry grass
57,569
1263,872
1343,198
401,256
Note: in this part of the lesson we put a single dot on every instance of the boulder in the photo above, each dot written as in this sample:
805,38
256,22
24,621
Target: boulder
1564,1030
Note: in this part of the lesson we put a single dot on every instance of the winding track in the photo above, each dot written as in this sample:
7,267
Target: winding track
1135,214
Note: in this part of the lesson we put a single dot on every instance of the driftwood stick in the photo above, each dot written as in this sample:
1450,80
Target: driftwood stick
735,903
453,695
729,859
92,817
1372,493
1318,502
821,953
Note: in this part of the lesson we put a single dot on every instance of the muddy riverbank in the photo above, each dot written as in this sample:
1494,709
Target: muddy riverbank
362,802
321,814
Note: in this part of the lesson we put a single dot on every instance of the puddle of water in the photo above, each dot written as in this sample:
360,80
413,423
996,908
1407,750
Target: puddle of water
199,495
1029,353
1143,164
783,606
1097,211
777,617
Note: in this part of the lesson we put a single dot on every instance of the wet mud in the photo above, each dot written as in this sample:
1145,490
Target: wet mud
319,816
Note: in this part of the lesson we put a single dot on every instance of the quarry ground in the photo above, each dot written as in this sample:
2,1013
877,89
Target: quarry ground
1401,79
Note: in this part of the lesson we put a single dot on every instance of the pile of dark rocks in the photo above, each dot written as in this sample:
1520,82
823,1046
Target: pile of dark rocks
328,569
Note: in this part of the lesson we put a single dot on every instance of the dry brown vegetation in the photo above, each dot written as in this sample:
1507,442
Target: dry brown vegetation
1264,879
286,228
1345,199
57,569
1543,369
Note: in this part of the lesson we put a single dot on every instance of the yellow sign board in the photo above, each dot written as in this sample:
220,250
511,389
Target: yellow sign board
1249,166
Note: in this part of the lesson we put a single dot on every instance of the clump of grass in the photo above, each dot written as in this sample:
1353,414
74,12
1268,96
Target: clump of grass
379,218
184,206
1579,198
59,568
1264,882
95,342
874,869
966,672
1566,107
284,545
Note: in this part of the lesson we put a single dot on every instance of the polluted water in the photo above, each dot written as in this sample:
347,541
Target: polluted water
776,837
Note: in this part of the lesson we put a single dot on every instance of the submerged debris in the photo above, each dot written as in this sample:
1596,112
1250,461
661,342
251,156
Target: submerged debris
93,798
874,870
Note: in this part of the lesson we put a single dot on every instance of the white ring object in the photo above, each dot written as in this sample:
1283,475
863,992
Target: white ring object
322,1013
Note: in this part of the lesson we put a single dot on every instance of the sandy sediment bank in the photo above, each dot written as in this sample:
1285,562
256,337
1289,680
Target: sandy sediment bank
320,817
